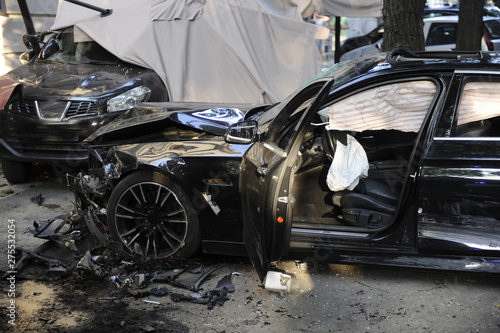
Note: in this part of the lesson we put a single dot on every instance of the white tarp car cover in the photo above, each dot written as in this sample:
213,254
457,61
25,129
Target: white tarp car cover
248,51
351,8
349,165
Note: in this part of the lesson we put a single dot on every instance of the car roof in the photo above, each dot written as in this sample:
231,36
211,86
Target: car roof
453,10
448,18
454,18
396,61
402,60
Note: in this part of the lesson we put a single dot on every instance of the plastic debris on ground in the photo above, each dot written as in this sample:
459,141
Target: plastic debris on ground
72,250
37,199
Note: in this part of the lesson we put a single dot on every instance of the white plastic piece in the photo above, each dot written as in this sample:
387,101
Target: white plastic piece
211,203
277,281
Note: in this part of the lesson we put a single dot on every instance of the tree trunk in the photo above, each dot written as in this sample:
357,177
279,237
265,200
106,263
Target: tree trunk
404,25
470,25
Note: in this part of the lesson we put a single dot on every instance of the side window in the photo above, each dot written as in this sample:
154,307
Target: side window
479,110
441,33
398,106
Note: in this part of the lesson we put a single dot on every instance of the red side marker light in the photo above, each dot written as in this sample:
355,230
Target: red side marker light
280,219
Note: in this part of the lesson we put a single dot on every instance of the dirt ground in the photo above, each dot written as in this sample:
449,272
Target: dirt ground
331,298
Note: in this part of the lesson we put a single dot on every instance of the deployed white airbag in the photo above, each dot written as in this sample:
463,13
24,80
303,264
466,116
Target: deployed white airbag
349,165
399,106
479,101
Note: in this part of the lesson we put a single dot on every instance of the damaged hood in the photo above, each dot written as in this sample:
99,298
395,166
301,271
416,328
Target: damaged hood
200,116
46,80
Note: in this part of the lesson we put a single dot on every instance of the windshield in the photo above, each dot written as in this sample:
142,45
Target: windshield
340,72
69,51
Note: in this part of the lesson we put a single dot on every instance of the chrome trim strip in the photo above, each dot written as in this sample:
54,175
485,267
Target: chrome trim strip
276,150
41,116
467,139
475,71
330,233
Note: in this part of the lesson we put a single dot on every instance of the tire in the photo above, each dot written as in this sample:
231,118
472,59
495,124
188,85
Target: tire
153,218
17,172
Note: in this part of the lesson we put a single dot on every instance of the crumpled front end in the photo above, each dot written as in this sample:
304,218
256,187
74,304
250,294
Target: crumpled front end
161,171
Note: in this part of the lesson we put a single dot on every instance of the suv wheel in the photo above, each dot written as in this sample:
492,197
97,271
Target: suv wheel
16,172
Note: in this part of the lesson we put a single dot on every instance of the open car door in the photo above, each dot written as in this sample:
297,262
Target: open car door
267,175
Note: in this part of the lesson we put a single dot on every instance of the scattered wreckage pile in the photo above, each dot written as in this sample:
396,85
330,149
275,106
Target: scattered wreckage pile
72,250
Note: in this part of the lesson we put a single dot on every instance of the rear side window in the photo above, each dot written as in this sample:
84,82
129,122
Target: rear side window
479,110
441,33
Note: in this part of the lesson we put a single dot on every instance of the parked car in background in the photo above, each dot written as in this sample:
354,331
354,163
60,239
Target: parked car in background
389,159
439,34
432,11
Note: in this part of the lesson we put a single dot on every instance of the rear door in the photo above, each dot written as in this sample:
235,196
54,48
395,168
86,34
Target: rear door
460,176
266,176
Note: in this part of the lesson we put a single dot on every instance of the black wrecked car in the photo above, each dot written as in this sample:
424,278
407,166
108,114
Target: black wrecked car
65,93
391,159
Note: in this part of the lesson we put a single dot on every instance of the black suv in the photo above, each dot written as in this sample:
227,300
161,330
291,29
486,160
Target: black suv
68,91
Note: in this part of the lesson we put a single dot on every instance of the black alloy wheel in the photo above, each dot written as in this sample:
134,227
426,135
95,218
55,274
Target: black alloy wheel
152,217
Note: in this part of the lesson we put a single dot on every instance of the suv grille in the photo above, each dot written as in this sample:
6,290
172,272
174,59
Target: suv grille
75,109
83,108
23,107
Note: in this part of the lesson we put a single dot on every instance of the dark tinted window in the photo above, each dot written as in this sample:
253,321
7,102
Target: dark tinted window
493,28
441,33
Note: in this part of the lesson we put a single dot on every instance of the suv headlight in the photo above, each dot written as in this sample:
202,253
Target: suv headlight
129,99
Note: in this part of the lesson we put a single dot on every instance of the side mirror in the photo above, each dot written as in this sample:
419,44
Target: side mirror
243,133
49,49
25,57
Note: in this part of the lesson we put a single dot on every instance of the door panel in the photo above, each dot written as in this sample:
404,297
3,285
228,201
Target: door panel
459,197
266,178
257,168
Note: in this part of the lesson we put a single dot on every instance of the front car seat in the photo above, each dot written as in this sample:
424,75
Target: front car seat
372,204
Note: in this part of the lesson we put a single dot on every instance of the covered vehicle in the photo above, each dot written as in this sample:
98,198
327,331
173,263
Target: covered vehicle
100,63
223,51
390,159
69,87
